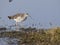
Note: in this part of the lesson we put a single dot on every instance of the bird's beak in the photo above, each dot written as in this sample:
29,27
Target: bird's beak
30,16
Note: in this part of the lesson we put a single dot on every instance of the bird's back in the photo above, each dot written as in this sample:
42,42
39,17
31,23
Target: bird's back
18,15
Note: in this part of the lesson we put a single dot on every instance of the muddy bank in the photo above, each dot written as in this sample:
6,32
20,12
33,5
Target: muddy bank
33,36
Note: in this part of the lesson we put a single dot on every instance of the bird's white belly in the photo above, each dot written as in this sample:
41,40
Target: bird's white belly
19,19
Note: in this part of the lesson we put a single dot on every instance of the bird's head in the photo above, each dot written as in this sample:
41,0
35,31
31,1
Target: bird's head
27,15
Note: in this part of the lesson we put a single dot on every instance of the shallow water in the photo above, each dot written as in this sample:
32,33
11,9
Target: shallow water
8,41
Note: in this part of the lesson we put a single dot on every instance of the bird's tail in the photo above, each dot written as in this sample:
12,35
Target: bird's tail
9,17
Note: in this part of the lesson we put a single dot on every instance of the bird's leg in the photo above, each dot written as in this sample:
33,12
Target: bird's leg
21,25
17,26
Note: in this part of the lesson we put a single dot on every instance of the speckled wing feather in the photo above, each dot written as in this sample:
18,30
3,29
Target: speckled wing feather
17,15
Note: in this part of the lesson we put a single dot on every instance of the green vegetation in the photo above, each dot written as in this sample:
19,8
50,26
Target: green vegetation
33,36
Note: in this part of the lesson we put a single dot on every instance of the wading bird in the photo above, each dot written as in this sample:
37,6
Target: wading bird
20,17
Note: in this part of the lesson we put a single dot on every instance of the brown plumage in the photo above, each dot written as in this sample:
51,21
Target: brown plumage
17,15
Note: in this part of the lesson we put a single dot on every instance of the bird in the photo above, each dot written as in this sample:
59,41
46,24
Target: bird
19,17
10,0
